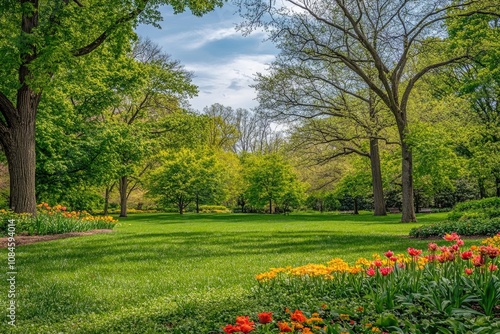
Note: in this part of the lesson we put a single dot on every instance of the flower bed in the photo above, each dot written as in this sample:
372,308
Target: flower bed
54,220
447,289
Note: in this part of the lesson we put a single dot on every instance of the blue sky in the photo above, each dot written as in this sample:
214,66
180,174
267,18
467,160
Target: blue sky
222,60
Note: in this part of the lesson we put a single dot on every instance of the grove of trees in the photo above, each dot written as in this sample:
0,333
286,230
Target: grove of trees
369,105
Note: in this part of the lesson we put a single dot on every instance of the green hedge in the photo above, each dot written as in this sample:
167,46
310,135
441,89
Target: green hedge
474,226
477,217
483,208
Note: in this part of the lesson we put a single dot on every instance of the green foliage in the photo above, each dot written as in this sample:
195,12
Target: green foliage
477,217
271,181
186,176
475,226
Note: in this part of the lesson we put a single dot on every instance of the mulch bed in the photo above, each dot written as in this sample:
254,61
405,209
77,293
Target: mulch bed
31,239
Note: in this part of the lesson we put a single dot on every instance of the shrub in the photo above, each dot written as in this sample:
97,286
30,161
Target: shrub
487,208
473,226
214,209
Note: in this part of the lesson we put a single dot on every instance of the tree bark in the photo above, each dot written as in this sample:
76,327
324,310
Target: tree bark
17,133
270,206
123,196
497,181
378,190
19,147
408,206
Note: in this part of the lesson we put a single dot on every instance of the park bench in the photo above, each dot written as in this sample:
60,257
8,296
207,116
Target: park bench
425,210
394,210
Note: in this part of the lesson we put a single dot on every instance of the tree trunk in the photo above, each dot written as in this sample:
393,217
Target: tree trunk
197,204
106,198
19,147
482,189
17,128
123,196
408,207
497,181
356,211
180,205
270,206
321,205
378,190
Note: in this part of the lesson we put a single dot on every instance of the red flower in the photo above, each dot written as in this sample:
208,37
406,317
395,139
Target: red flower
467,255
460,242
246,328
388,254
478,261
492,267
393,258
370,272
241,320
451,237
433,247
283,326
491,251
385,271
469,271
265,317
414,252
298,316
377,263
229,329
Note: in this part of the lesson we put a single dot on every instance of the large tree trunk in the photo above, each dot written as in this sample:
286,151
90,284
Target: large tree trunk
356,210
378,190
407,184
19,147
17,133
123,196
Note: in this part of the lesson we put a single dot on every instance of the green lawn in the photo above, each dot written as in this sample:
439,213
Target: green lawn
166,272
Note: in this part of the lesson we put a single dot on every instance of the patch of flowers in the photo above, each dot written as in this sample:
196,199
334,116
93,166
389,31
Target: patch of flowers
53,220
446,288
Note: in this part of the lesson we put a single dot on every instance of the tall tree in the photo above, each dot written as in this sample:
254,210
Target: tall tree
187,176
379,36
37,38
338,115
165,86
271,181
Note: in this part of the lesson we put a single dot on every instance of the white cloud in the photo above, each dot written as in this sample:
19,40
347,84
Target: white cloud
228,84
196,39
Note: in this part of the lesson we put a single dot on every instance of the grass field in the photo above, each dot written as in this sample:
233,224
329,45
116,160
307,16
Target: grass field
181,274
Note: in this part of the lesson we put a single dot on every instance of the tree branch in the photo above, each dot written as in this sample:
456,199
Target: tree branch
99,40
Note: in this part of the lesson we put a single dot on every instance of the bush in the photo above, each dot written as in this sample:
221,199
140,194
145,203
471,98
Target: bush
478,217
214,209
473,226
487,208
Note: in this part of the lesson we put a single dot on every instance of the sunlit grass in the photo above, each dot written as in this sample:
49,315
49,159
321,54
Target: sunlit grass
156,269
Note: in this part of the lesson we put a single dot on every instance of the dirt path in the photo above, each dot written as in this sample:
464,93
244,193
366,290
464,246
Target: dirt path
31,239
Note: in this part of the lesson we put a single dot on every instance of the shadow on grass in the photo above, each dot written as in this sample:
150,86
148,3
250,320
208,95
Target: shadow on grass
201,246
172,218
